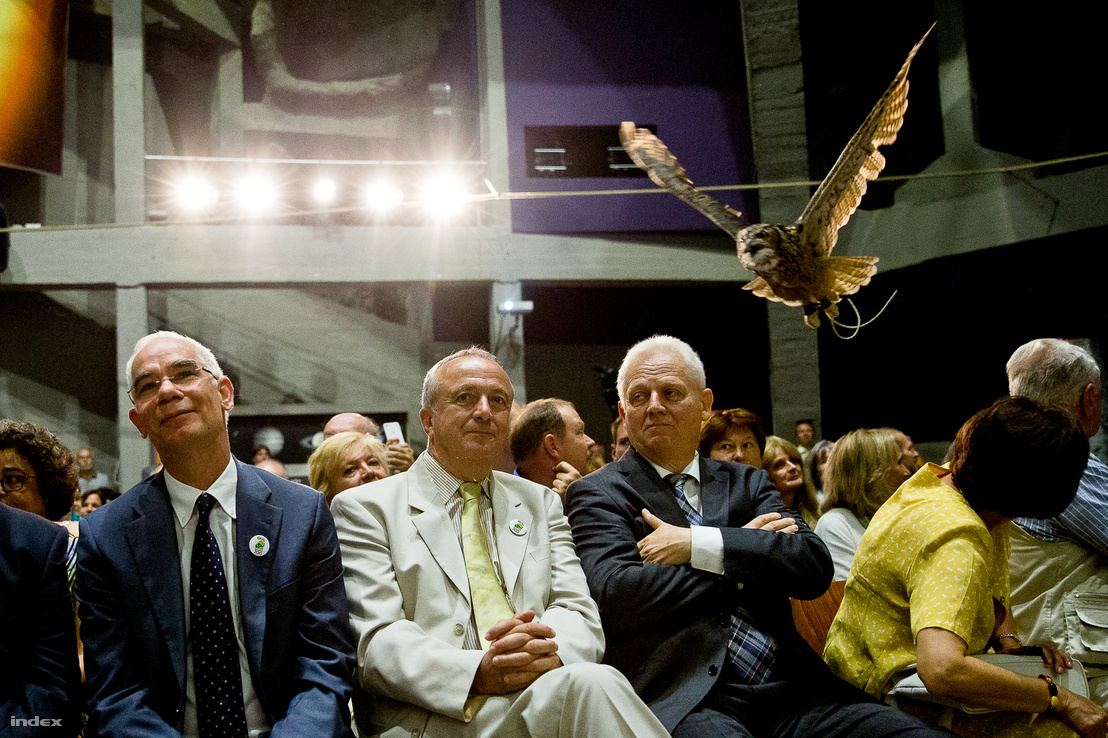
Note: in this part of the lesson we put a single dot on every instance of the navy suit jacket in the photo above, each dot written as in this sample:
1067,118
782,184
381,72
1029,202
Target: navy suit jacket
667,626
292,606
38,641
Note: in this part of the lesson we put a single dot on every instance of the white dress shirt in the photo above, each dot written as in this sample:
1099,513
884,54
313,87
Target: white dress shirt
222,521
707,542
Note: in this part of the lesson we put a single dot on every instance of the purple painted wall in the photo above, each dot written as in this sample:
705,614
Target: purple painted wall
675,65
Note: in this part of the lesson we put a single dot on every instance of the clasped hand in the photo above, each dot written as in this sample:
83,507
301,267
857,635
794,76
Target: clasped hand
521,651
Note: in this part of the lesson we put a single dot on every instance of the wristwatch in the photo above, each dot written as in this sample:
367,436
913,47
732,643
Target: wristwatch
1054,702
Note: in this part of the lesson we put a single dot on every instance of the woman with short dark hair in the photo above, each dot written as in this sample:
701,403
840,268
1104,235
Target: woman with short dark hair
733,435
929,585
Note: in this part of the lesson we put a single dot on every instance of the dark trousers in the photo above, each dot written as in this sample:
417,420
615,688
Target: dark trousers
813,704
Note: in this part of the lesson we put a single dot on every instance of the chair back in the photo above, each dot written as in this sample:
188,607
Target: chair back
813,617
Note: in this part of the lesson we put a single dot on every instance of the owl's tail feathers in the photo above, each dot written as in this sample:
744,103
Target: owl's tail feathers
762,288
844,275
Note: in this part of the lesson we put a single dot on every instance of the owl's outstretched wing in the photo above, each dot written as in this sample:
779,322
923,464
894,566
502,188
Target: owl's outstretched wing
841,190
652,156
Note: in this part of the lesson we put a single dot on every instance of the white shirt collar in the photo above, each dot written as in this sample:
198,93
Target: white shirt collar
693,469
183,497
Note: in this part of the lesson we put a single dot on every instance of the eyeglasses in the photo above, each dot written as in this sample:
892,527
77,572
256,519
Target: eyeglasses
14,482
185,377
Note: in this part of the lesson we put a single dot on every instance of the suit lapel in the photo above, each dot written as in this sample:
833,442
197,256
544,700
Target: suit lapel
152,538
436,528
715,491
510,547
254,517
658,495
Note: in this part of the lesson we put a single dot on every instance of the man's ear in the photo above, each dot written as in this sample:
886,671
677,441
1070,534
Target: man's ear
1089,409
425,421
226,394
706,398
622,413
134,416
550,445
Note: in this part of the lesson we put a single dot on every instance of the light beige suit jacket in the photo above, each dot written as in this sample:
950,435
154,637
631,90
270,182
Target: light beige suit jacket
409,594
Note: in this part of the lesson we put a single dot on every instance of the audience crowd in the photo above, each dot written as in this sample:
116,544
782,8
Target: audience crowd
511,580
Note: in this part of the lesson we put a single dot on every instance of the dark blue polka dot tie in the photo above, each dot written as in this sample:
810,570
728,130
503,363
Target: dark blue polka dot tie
215,652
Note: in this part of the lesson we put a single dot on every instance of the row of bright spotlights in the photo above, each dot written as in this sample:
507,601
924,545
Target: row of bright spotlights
259,195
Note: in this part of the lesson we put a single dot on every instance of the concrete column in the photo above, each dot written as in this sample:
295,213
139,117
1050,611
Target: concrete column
771,35
131,324
128,130
227,105
506,336
494,106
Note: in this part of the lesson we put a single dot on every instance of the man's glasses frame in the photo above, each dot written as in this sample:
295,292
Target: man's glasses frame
185,375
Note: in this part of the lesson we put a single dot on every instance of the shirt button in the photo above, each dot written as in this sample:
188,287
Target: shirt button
713,670
739,585
458,630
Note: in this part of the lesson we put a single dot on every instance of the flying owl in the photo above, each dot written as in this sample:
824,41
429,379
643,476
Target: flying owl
793,262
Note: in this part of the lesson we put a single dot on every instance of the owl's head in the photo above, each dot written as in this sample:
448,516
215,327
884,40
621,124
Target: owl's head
757,245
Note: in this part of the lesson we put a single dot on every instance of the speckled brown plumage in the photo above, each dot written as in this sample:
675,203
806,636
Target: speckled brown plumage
793,262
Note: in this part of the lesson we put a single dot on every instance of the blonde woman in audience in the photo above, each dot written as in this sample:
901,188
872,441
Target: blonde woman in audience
864,471
345,460
781,461
929,587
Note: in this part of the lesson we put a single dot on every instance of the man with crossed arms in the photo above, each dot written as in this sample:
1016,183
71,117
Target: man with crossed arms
472,614
693,561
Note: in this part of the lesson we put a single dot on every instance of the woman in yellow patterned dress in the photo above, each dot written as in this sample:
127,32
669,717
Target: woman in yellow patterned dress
929,585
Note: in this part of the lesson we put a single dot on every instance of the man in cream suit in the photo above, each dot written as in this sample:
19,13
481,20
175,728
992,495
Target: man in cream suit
472,613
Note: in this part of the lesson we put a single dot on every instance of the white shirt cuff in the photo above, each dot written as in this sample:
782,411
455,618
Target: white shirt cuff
707,549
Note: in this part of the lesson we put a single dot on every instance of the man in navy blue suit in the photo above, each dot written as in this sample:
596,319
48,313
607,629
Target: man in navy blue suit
212,600
692,562
38,642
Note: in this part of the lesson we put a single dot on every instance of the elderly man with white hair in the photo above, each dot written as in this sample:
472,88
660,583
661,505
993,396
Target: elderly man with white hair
692,562
1058,567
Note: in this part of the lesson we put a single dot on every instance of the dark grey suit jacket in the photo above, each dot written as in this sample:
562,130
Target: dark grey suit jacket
667,626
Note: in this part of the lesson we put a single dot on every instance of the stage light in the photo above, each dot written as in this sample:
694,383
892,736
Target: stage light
256,194
444,195
324,190
194,194
383,195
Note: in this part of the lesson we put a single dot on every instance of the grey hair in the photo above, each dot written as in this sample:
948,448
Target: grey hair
694,367
1052,372
203,353
431,380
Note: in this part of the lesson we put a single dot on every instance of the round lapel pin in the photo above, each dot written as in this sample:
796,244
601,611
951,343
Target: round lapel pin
259,545
518,527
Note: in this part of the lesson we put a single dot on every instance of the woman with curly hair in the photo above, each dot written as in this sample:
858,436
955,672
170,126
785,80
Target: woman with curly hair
39,474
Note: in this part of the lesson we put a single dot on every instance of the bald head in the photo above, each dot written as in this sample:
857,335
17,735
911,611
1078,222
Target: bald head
350,422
